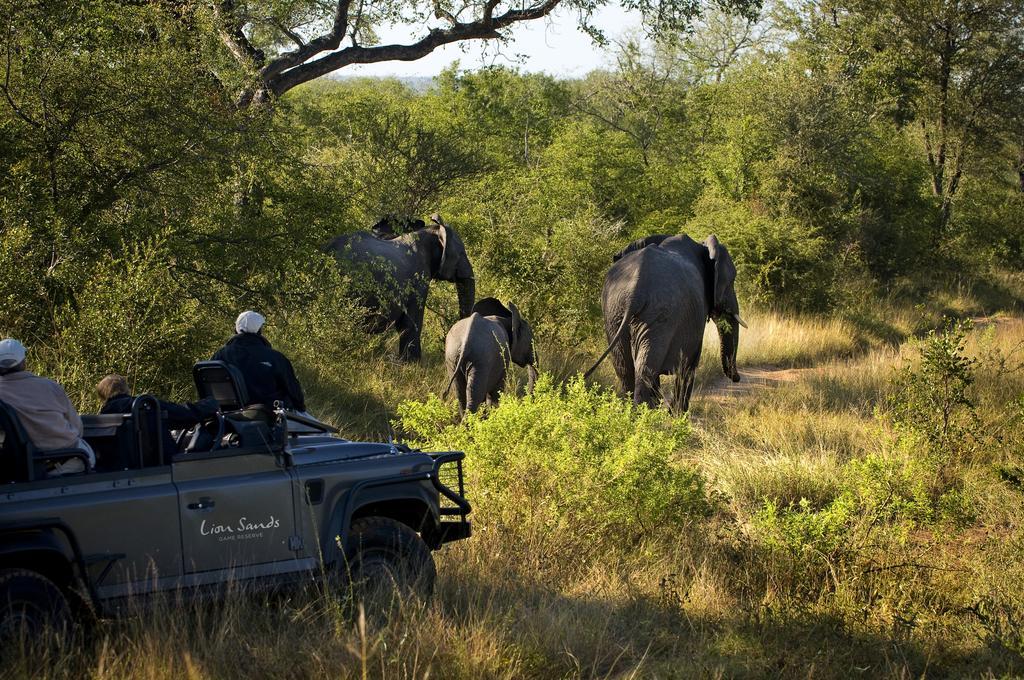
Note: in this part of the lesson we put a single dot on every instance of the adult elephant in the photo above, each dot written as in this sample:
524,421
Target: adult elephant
658,294
393,276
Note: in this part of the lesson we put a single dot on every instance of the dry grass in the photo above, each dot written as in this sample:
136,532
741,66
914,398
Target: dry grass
712,603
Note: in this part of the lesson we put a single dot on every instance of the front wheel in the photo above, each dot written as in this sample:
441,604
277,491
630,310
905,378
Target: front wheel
387,559
30,605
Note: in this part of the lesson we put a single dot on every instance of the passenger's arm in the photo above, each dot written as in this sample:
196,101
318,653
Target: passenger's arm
179,416
291,383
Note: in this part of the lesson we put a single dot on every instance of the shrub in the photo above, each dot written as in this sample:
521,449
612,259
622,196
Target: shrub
905,490
571,463
131,318
932,398
802,531
936,421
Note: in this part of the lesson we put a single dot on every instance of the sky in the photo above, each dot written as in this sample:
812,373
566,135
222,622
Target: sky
553,45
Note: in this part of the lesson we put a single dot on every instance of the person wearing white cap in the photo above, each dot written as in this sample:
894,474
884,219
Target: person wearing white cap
43,407
269,376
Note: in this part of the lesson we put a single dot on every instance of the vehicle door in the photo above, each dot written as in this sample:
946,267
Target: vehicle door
237,512
126,524
124,521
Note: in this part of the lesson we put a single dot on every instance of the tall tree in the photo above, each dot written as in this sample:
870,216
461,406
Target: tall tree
960,66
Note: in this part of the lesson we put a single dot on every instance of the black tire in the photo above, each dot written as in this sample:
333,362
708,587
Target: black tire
387,560
30,605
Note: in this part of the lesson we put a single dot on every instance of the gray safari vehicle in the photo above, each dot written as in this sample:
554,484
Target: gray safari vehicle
253,495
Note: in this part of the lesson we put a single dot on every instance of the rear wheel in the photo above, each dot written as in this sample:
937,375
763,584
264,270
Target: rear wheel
388,561
30,605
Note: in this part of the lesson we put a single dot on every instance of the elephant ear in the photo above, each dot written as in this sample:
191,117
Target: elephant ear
517,324
452,250
385,228
640,244
725,272
489,306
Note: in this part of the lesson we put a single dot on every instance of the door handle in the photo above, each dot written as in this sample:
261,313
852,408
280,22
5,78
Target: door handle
202,504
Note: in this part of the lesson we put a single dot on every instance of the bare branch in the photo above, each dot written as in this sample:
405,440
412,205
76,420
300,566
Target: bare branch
292,35
489,9
230,30
281,80
325,43
442,13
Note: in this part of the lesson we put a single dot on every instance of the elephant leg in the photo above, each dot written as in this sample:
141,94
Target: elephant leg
622,362
460,392
476,389
683,384
408,338
689,388
648,356
647,390
683,388
499,383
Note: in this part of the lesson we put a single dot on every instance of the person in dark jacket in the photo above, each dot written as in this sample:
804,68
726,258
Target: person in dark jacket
117,398
268,375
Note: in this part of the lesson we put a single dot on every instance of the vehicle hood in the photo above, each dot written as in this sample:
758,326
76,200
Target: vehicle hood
317,450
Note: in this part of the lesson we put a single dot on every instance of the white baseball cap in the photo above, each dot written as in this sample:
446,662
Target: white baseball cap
12,353
249,322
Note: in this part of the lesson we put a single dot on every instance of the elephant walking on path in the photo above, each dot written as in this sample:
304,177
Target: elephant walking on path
393,277
658,295
478,349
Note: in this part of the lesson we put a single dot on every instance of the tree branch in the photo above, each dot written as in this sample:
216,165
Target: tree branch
442,13
230,30
325,43
280,78
489,9
292,35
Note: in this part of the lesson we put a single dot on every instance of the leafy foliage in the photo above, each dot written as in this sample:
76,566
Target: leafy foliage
932,402
569,464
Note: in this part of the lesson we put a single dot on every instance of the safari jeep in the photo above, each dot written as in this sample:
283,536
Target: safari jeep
254,494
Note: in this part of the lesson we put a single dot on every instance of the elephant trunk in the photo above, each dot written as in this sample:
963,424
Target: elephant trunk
531,378
729,340
466,289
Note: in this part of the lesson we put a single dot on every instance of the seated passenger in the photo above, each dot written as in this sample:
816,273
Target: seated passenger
268,375
117,398
43,407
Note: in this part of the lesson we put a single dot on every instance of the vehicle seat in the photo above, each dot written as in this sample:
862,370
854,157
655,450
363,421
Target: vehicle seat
112,437
251,422
22,461
221,381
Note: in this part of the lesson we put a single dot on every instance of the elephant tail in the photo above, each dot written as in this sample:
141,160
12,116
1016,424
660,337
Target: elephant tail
455,372
615,338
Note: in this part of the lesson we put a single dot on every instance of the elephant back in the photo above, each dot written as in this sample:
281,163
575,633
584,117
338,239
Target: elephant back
656,282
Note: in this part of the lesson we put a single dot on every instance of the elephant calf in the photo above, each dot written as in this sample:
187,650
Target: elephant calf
478,349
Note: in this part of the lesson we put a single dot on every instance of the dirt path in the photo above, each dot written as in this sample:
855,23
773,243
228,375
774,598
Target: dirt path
768,376
753,379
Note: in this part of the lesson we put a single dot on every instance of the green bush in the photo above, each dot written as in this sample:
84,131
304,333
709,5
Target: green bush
803,532
132,318
932,400
905,490
569,464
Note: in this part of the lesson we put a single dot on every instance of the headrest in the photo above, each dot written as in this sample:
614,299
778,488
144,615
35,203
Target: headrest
221,381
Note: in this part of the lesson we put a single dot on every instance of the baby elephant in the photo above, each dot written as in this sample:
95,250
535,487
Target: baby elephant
479,347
